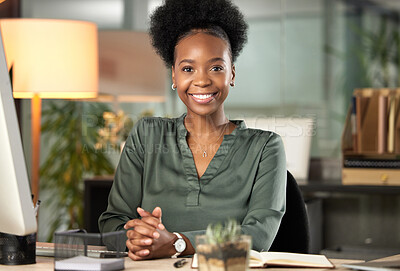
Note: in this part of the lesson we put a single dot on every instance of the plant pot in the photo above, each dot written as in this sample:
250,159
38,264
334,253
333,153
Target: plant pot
228,256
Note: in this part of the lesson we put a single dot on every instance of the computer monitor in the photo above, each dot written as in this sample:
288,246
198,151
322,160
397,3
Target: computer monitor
16,208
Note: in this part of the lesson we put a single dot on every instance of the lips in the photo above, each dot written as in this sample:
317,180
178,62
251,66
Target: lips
203,98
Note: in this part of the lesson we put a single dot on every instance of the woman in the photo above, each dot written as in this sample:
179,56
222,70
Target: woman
175,176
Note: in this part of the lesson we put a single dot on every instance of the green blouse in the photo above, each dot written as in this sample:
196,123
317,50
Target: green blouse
245,180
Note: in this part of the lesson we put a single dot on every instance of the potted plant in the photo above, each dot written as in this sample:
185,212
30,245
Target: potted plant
70,129
223,248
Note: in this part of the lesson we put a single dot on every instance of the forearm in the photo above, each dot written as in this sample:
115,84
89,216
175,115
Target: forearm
263,231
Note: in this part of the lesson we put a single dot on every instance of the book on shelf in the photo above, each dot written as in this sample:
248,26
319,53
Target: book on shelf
373,125
282,259
382,123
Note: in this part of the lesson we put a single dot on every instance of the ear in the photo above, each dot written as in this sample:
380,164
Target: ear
173,75
233,74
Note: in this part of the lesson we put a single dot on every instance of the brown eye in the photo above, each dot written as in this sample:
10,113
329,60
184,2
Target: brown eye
187,69
217,68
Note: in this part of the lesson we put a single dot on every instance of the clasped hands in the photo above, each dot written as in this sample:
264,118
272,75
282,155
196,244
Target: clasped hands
147,237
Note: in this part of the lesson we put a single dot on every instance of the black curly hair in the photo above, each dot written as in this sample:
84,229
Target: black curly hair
177,19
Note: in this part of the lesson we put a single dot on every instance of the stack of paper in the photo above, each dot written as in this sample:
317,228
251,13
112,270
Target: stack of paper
93,264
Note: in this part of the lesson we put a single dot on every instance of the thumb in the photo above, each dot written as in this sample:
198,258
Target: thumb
142,212
157,212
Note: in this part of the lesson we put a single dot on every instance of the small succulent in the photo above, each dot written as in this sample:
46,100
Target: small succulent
220,233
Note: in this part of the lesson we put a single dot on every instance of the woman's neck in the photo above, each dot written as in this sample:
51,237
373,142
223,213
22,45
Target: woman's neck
205,126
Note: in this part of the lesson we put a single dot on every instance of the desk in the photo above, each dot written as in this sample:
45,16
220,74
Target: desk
340,214
46,263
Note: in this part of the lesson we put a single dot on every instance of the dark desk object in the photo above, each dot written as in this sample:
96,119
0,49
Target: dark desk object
96,201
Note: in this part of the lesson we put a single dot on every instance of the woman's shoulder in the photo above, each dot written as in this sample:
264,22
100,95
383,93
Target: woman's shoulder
254,132
151,124
158,121
262,138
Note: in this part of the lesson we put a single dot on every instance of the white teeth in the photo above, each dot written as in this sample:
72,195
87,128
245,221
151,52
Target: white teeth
202,96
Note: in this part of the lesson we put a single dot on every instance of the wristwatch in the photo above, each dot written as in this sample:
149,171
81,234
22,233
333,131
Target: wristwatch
180,245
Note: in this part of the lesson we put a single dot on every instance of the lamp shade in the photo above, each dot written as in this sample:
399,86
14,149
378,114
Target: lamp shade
51,58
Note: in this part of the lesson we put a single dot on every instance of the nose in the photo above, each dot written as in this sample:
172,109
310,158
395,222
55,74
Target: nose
201,79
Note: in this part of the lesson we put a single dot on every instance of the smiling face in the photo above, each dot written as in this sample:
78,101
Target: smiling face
202,73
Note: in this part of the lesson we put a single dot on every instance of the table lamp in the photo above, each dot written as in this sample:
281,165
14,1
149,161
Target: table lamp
50,59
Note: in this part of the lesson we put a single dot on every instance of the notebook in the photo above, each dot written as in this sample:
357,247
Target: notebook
282,259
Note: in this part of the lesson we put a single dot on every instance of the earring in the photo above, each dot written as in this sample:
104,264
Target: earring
233,84
173,87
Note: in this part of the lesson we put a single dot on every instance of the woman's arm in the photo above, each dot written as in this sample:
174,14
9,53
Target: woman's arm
268,199
126,192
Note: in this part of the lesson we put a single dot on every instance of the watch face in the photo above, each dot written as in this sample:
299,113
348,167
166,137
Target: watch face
180,245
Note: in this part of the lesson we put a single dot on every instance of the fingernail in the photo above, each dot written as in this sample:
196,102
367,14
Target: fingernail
147,241
125,227
156,234
146,252
161,226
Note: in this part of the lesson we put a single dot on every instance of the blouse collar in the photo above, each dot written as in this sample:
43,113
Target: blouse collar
182,131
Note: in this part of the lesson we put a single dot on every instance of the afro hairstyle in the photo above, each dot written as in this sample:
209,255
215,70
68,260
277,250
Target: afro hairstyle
177,18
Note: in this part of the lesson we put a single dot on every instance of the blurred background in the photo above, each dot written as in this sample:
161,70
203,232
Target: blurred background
303,59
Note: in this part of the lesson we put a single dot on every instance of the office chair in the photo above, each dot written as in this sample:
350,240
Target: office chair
293,234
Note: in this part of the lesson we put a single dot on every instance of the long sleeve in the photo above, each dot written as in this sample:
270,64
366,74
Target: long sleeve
268,198
126,193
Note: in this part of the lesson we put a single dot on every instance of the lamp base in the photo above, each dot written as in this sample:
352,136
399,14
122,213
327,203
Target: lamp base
17,250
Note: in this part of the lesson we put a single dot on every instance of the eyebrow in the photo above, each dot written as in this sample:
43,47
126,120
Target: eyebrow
209,61
186,60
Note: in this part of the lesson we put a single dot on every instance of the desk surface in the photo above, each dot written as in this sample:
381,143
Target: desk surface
46,263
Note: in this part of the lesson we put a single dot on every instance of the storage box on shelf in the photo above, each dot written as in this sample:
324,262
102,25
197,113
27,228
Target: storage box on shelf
371,138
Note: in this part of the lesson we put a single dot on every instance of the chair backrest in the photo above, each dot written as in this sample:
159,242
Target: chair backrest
294,233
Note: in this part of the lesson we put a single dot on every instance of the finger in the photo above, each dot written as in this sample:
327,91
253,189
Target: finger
141,241
154,222
146,222
146,231
130,224
143,213
135,257
157,212
139,226
132,234
136,248
142,252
